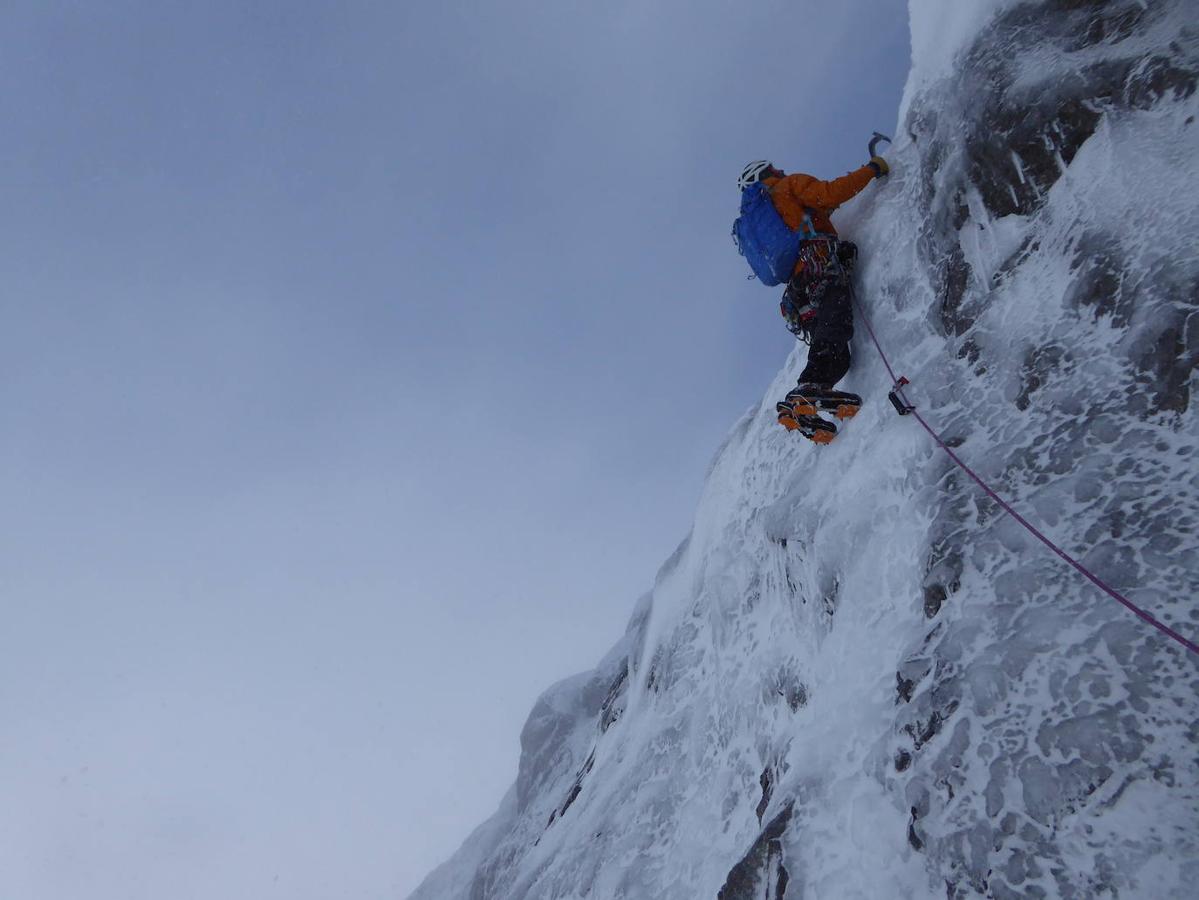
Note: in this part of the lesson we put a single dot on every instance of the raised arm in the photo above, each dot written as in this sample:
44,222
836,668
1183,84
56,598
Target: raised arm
828,195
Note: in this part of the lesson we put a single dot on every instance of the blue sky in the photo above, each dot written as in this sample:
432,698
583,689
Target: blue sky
360,364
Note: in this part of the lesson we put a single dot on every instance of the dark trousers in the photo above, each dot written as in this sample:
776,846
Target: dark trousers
828,358
828,361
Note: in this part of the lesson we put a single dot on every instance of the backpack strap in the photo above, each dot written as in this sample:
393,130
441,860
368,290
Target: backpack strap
808,228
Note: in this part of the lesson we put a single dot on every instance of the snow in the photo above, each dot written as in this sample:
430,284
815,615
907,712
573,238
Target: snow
940,29
854,641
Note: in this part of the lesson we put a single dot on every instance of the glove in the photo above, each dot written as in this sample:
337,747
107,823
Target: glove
879,165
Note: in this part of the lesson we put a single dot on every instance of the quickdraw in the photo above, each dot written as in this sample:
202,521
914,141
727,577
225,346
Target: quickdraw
904,408
898,400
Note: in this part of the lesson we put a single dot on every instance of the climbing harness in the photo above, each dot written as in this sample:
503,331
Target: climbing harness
904,408
824,263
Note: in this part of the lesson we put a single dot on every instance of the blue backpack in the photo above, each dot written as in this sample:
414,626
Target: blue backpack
764,239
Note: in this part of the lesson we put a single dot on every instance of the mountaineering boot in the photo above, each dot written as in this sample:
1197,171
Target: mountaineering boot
812,427
807,399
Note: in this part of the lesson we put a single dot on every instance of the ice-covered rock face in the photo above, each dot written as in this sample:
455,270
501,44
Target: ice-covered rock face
858,677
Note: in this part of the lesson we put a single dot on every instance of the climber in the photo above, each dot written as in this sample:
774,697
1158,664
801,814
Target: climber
792,239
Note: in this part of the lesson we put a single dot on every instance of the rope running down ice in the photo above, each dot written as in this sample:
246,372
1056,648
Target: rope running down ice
1094,579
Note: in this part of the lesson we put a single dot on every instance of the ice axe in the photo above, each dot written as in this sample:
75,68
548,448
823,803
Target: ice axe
874,142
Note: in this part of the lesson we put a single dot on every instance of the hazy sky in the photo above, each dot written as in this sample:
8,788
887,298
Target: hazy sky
359,364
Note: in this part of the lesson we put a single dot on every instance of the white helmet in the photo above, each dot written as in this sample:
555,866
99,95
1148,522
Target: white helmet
751,173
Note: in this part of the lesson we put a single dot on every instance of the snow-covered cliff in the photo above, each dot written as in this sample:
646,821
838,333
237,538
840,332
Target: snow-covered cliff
858,677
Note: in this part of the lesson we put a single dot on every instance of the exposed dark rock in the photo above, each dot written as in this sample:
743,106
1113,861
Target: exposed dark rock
955,279
612,709
1170,362
831,591
944,571
572,797
914,838
1039,364
934,596
924,730
575,790
1041,129
761,873
767,782
797,697
1098,279
904,688
788,686
1014,173
1156,79
1028,247
969,351
1102,22
910,673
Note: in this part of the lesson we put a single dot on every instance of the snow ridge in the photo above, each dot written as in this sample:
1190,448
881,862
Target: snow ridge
859,678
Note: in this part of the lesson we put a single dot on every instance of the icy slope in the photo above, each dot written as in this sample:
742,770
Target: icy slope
857,678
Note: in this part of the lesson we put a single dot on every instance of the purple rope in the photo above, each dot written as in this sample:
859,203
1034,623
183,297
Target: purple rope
1094,579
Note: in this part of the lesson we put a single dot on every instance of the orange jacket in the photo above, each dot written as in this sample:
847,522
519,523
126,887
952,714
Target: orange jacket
795,194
